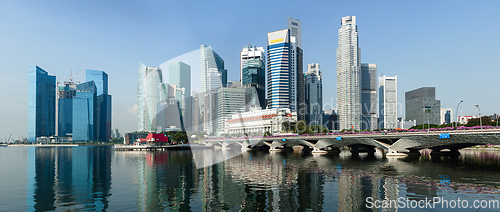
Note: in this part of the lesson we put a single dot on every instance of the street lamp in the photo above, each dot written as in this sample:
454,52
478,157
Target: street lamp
480,121
456,124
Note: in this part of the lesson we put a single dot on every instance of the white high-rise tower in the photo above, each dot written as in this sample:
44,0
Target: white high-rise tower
388,100
349,76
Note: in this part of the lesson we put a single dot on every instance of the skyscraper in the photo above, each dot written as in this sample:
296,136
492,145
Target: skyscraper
447,116
250,53
369,96
388,100
278,69
214,83
41,104
421,105
348,76
84,112
210,60
65,96
253,79
297,93
180,75
150,91
229,101
314,94
103,104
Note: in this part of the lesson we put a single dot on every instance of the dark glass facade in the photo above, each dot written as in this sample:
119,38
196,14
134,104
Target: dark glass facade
41,104
103,104
84,114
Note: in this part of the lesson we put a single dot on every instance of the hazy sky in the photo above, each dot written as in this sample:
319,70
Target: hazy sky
450,45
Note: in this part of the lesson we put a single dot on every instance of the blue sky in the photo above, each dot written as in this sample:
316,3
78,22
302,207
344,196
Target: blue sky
451,45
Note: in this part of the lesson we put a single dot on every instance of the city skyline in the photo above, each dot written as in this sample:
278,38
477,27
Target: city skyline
447,54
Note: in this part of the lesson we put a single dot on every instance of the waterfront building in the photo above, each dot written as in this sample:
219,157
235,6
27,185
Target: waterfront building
278,69
229,101
254,80
169,115
258,121
150,91
348,75
330,120
41,104
65,96
369,118
297,86
251,53
421,105
446,116
466,119
103,104
314,95
180,75
84,112
388,100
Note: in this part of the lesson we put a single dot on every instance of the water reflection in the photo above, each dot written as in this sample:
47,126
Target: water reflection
79,178
70,178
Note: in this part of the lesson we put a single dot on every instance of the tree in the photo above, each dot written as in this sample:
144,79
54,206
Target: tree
486,121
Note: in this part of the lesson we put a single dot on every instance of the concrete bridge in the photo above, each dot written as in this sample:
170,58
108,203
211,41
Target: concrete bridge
396,144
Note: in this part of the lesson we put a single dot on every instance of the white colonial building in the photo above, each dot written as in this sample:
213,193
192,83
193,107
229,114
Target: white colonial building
259,121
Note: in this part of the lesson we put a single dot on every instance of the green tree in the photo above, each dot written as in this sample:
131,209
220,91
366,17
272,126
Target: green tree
475,122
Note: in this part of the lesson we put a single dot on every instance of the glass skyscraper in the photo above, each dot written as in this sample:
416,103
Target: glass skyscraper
150,91
349,76
65,108
41,104
314,95
369,96
253,79
103,104
180,75
84,113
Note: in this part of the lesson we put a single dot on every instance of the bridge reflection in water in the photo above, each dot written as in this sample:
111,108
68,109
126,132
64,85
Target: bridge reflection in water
396,144
290,181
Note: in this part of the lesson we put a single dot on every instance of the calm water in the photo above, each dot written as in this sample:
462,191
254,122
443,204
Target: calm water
99,178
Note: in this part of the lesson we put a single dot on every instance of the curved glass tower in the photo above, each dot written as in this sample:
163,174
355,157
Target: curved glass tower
150,91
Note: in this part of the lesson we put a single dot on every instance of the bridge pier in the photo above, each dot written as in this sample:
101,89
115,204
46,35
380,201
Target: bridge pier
440,152
274,149
355,150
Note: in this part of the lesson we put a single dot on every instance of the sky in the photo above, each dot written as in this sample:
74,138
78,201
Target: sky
450,45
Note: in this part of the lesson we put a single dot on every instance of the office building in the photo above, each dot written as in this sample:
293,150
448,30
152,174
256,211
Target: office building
314,95
368,96
150,91
196,116
229,101
349,75
278,69
84,112
330,120
210,60
169,115
65,96
250,53
253,79
446,116
41,104
421,105
180,75
257,121
103,104
214,83
388,100
297,86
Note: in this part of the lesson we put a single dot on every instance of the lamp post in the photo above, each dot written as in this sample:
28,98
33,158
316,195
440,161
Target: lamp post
456,124
480,121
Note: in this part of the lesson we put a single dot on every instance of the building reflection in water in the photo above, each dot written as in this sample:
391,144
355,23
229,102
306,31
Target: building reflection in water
68,178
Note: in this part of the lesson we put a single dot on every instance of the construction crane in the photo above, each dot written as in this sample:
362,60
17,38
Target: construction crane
77,78
70,75
9,138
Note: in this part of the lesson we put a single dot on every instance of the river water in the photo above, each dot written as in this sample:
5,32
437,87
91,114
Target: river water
100,178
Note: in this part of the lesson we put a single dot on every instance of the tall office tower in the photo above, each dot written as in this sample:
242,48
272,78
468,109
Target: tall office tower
369,96
41,104
180,75
388,102
348,76
214,83
297,84
278,69
447,116
314,94
65,96
229,101
169,115
195,108
421,105
84,112
103,102
254,80
209,60
150,91
250,53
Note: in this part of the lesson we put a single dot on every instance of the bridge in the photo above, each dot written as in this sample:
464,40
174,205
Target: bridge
395,143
